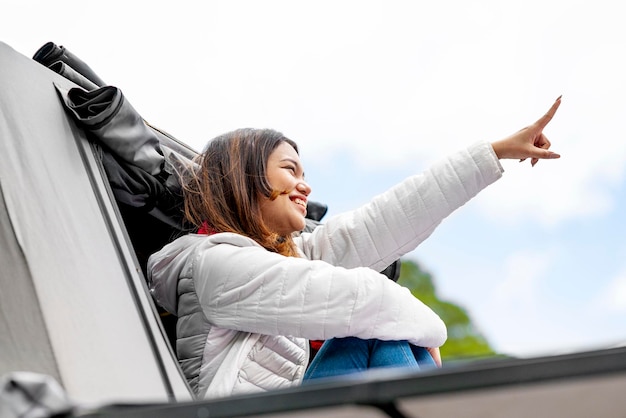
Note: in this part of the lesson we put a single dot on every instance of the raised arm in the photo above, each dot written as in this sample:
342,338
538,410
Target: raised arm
398,220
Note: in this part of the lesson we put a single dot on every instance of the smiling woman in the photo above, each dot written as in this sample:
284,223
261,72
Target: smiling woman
250,294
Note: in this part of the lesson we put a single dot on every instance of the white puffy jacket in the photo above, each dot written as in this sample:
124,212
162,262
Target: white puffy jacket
245,314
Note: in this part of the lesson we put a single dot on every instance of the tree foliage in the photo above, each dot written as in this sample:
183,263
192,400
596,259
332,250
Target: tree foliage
464,338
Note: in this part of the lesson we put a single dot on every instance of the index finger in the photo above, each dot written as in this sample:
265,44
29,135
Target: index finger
543,121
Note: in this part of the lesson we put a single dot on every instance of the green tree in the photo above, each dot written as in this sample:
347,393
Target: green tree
464,339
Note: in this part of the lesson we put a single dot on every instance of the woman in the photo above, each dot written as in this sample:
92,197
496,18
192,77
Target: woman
249,290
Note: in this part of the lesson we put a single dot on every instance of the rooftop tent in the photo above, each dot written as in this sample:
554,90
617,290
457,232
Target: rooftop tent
73,300
75,230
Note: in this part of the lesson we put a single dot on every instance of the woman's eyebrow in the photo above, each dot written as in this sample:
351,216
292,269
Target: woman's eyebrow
291,160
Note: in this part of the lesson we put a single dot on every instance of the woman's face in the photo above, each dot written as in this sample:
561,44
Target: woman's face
285,214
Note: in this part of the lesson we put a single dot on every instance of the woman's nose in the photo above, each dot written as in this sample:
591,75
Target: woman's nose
304,188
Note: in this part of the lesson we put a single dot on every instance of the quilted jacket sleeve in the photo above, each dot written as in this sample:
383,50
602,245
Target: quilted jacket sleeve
242,286
397,221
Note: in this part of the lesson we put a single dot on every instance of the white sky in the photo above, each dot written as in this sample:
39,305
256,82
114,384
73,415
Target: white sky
375,90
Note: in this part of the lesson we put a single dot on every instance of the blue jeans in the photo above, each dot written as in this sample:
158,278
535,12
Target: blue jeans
342,356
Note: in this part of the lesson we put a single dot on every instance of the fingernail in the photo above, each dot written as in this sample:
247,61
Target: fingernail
559,98
554,155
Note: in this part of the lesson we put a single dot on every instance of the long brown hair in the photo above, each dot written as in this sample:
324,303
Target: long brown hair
224,191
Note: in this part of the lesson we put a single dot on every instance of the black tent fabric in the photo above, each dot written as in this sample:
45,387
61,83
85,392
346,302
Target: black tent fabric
50,53
108,116
68,72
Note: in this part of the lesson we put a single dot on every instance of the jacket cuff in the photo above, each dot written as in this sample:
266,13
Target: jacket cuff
486,160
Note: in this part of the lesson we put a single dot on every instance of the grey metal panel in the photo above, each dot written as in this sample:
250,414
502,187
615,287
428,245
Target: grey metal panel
104,338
